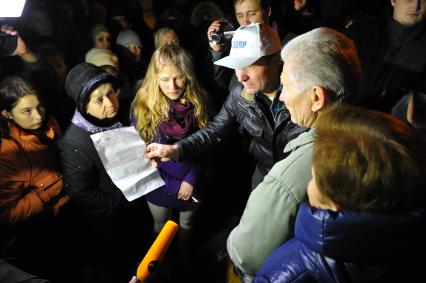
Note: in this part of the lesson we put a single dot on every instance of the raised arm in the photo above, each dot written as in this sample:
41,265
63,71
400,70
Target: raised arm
21,49
202,140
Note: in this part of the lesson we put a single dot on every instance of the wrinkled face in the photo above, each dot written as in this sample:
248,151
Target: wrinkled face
316,199
171,82
170,38
103,40
298,103
409,12
257,77
136,50
28,113
300,5
103,102
249,12
41,23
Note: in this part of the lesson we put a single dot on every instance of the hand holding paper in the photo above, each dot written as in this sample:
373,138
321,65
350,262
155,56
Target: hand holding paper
122,153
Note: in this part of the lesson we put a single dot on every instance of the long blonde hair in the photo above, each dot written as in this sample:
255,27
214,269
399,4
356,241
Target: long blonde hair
151,106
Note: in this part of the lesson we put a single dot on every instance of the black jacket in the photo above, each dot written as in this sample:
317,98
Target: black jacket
85,178
12,274
267,142
393,56
110,215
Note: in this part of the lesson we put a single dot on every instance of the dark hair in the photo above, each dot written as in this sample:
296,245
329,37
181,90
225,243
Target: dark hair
265,4
12,89
366,160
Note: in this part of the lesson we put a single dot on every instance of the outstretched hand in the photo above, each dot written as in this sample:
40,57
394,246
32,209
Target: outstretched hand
161,152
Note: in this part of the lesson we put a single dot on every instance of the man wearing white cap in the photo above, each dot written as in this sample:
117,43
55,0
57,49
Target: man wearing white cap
252,105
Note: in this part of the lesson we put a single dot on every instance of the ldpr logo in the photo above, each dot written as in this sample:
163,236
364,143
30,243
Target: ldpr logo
239,44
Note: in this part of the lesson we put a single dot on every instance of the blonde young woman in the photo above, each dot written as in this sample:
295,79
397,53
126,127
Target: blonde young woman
168,107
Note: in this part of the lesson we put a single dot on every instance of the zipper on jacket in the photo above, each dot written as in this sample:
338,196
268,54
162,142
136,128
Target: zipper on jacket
252,117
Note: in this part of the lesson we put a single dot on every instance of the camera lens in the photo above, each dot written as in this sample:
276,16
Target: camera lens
216,37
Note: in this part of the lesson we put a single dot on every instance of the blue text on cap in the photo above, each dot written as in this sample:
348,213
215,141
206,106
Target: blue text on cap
239,44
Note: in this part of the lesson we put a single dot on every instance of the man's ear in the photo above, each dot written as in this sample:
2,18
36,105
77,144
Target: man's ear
393,3
318,98
6,114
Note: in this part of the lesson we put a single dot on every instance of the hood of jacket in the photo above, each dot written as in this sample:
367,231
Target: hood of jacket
361,236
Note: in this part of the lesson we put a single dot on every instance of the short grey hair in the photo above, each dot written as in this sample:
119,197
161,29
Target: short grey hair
326,58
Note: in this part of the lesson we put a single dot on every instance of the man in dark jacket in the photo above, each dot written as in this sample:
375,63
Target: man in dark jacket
254,105
392,51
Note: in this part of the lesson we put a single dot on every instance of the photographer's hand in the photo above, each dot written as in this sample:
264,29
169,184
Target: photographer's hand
21,48
214,27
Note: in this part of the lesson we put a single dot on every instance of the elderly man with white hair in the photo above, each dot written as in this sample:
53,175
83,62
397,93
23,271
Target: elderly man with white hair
321,68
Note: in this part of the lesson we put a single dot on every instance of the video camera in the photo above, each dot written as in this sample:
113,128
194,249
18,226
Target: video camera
226,31
9,9
8,44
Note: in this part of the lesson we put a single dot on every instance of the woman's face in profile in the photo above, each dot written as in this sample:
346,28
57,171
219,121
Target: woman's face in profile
171,82
316,199
103,102
28,113
136,50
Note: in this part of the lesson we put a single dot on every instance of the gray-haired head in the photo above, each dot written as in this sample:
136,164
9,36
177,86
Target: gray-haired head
327,58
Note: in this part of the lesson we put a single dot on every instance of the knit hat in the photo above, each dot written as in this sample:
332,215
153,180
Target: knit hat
98,29
82,80
102,57
127,37
250,43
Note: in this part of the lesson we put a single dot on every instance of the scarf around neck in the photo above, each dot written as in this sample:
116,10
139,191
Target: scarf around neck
180,123
83,123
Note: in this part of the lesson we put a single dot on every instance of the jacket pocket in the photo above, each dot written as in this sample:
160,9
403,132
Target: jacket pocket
252,128
50,182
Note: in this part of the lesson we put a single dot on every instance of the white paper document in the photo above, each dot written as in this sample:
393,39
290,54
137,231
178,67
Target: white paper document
121,151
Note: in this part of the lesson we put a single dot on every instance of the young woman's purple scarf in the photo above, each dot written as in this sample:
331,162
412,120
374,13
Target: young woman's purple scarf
180,124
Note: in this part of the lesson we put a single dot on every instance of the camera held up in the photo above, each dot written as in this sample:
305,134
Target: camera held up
226,31
8,44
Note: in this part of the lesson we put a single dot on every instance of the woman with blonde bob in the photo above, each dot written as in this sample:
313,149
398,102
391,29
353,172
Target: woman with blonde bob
165,36
169,106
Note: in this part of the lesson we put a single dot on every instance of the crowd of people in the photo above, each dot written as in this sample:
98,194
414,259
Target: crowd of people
290,136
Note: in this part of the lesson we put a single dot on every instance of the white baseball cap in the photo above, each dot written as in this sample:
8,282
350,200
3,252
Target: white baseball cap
250,43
